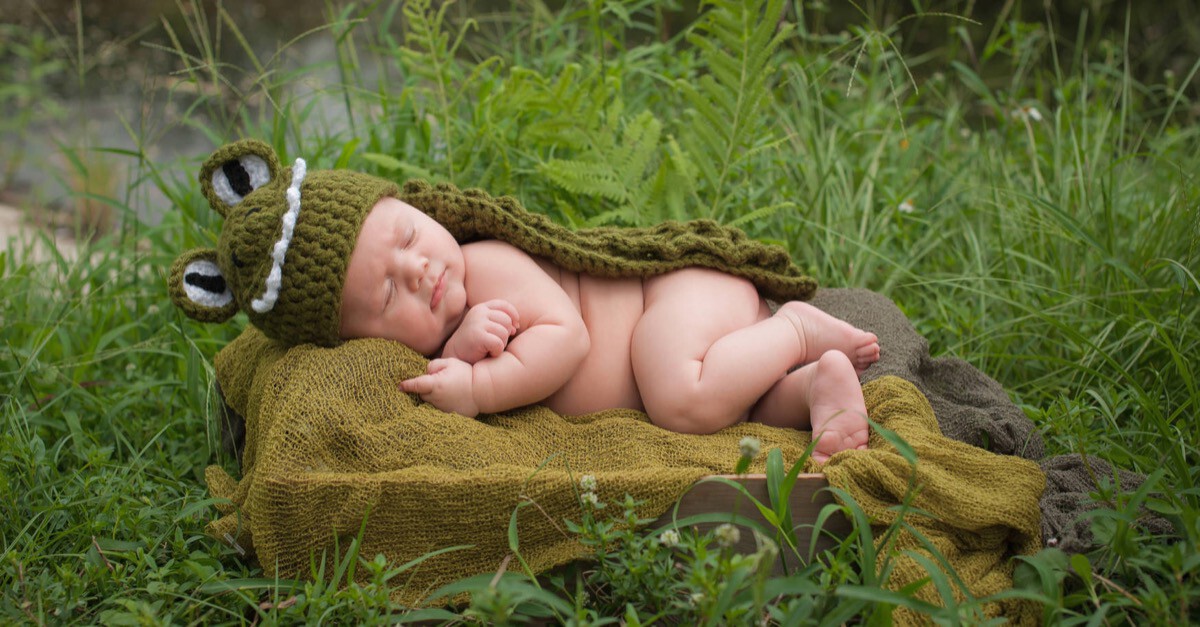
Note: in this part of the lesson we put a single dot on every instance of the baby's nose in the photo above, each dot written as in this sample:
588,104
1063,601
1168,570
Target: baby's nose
415,268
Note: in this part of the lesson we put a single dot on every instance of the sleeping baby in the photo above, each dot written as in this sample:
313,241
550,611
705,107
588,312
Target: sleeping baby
327,256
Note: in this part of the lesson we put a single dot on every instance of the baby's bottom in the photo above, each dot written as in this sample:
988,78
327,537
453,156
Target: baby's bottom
706,355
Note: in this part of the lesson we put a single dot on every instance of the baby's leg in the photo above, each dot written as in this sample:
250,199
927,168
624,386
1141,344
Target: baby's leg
823,396
822,333
701,356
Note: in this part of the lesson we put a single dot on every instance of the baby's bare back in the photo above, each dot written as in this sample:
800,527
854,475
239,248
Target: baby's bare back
611,310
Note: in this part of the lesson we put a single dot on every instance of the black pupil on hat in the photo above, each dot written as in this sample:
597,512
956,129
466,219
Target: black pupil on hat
238,178
213,283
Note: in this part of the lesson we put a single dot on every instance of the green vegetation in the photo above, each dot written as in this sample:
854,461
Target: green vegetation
1033,211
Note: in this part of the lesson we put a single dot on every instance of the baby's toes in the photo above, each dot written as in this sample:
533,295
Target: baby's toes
865,356
832,442
856,439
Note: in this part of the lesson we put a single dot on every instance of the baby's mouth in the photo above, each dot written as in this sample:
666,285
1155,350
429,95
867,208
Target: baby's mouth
438,289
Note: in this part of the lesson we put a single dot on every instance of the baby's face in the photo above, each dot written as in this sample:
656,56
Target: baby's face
405,279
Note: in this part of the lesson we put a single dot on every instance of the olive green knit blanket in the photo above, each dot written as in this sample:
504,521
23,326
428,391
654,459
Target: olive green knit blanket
613,252
331,441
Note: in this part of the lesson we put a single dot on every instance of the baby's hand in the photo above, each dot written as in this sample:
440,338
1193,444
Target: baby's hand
484,331
448,385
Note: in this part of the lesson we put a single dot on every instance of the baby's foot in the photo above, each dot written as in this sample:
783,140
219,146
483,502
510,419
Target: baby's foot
836,407
821,332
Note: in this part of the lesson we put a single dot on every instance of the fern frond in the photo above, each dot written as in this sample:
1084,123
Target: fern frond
639,143
760,213
623,164
672,187
430,54
737,40
585,177
613,216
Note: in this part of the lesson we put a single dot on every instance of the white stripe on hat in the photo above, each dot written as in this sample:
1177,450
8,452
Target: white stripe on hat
275,278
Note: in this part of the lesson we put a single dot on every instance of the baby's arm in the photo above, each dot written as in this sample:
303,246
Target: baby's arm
538,361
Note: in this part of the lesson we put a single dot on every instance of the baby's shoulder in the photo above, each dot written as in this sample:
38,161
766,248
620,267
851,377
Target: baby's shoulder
498,259
497,269
492,249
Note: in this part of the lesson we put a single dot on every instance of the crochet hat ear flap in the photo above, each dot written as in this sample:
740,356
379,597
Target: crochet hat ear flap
235,170
199,288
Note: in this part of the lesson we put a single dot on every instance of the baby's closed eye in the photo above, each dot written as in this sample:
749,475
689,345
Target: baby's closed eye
389,292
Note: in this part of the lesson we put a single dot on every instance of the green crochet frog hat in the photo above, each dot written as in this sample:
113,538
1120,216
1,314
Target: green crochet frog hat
284,247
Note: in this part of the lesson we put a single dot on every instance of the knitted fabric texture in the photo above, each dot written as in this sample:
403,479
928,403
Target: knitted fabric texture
1070,482
310,297
284,246
331,440
612,252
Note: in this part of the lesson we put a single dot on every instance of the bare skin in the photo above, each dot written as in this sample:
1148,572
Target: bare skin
696,349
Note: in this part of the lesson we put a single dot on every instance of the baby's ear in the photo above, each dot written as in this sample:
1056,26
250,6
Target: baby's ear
235,170
198,287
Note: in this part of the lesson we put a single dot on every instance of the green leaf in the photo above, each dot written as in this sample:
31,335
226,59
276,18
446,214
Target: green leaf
387,162
425,616
760,213
891,437
1083,568
111,544
240,584
347,151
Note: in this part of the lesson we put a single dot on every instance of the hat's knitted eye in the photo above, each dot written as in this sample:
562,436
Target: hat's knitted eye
238,177
205,285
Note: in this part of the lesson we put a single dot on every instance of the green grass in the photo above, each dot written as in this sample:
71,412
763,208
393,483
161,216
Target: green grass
1059,256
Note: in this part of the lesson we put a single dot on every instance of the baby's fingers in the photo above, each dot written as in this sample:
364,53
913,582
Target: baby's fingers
501,306
502,321
502,330
424,383
418,385
437,365
494,344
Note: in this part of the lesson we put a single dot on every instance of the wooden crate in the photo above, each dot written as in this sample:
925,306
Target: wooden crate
807,499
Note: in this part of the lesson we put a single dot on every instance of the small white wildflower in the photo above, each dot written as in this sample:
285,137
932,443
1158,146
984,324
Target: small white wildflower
669,538
765,544
152,309
1026,113
587,483
906,206
590,498
727,535
964,133
750,447
129,367
697,598
767,551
